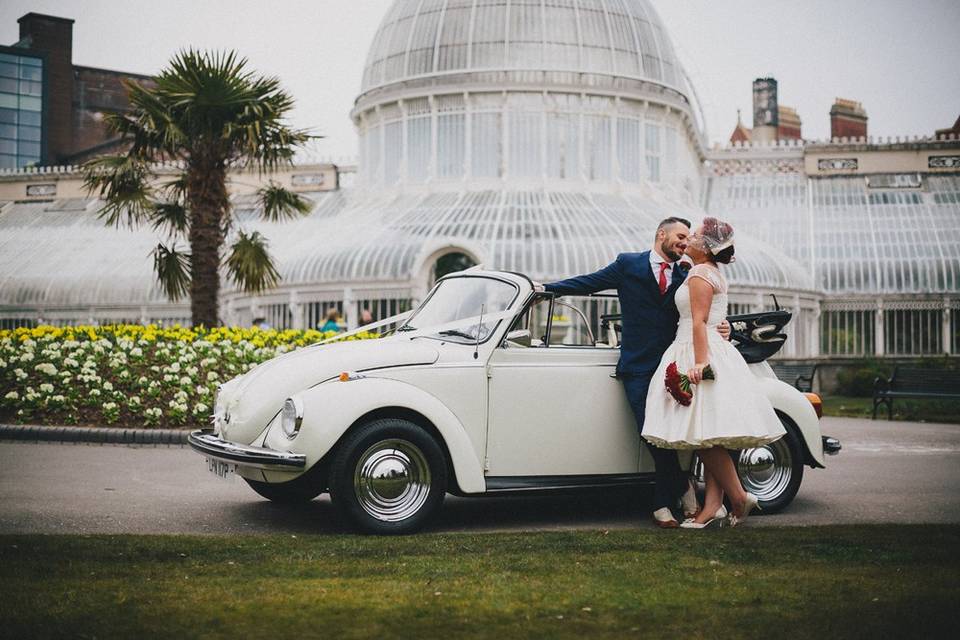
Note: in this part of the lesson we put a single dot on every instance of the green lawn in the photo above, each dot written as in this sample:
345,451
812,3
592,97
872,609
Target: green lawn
814,582
912,410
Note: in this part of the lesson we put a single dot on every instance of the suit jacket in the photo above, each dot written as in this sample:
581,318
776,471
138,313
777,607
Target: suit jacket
649,317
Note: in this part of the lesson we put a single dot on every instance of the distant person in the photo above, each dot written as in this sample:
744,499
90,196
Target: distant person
261,323
332,323
365,317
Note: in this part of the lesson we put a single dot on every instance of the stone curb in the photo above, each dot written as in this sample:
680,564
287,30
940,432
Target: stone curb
93,435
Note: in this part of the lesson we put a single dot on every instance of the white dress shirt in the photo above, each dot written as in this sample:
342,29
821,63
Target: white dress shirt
655,262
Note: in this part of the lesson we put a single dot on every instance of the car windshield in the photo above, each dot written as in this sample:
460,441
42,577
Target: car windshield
452,311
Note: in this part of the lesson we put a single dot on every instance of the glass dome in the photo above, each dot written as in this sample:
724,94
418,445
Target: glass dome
429,37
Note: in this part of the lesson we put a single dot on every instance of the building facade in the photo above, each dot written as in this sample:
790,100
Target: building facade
51,110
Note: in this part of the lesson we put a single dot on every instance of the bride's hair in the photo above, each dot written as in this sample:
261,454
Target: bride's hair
719,239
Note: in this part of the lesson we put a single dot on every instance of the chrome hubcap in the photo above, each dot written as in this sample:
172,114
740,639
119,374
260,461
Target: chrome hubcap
766,471
392,480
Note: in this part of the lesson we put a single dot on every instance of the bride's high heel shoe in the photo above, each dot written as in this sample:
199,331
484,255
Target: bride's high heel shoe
716,521
752,503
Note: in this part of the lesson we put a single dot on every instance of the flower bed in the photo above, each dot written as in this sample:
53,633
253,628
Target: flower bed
130,375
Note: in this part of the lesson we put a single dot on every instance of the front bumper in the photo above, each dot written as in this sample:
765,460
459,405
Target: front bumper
205,442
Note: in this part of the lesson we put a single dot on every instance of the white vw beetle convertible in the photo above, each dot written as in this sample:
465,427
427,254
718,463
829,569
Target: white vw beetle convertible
487,387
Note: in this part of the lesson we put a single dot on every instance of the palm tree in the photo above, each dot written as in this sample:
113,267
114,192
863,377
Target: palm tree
206,115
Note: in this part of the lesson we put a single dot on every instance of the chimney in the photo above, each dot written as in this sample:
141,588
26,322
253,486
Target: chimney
53,36
765,112
847,119
789,124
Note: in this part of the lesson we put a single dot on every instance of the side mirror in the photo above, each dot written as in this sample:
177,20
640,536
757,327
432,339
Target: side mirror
519,336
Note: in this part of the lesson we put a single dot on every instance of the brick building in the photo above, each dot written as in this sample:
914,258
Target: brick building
51,110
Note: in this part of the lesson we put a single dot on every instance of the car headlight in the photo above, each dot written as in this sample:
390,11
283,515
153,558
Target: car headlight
291,417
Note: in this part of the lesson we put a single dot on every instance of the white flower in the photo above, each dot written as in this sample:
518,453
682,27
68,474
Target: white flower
3,363
212,375
186,381
47,368
142,380
200,409
13,395
134,400
109,406
20,373
95,393
192,371
125,374
58,399
46,387
153,412
136,352
108,386
26,357
202,390
175,367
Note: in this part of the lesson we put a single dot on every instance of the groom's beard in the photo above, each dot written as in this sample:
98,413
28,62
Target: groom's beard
672,255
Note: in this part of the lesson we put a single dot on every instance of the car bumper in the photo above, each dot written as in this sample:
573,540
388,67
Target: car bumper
831,446
206,443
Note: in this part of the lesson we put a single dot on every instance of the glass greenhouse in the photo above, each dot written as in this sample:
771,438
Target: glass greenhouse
543,137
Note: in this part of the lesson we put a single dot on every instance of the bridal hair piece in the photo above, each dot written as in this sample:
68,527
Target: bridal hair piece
717,235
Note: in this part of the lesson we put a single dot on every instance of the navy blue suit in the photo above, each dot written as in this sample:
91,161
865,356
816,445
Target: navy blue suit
649,326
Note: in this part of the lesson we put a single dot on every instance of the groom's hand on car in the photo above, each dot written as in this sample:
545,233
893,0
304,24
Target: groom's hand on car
724,330
538,287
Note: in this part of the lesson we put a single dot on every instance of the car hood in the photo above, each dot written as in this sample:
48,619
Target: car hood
253,399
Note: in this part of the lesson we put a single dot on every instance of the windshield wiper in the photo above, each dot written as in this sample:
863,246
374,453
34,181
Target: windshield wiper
456,332
406,327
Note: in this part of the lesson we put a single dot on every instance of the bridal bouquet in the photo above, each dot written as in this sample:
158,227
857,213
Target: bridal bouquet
678,384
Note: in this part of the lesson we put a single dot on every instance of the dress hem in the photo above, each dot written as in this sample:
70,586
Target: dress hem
729,442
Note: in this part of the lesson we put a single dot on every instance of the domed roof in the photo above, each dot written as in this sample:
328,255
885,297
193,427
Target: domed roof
431,37
359,236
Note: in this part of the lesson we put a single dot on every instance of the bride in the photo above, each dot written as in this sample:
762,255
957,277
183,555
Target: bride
726,412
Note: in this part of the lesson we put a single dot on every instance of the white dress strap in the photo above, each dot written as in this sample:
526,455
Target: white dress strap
711,274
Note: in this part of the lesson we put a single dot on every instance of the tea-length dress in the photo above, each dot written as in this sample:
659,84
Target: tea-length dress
728,411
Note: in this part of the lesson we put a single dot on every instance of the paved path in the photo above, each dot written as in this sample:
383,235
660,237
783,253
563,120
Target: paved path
887,472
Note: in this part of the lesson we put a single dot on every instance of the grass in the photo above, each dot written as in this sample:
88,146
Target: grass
911,410
842,581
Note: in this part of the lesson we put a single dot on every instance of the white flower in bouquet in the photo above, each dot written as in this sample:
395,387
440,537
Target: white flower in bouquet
46,387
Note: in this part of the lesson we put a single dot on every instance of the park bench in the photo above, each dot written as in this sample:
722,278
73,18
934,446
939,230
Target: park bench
915,382
798,375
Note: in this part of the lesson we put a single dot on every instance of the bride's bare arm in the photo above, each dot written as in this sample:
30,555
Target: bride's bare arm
701,296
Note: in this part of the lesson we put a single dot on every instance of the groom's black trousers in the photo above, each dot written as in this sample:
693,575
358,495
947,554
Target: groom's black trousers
671,481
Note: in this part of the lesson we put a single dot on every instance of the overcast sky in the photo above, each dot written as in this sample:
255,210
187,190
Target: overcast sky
898,57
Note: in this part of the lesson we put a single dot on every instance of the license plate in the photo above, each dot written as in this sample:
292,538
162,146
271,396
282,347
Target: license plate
223,470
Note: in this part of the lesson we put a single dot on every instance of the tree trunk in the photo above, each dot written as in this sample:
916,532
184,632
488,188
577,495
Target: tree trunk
207,204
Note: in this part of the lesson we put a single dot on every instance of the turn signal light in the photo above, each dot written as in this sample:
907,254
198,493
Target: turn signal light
346,376
816,402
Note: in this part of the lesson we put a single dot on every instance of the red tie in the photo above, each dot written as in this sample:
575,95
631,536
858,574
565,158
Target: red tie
663,277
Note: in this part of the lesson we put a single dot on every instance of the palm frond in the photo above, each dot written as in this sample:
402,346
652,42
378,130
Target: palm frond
280,204
122,182
173,271
249,264
171,217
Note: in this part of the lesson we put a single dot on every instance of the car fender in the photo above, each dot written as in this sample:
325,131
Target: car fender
787,400
331,408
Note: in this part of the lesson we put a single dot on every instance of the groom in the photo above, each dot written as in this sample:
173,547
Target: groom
646,283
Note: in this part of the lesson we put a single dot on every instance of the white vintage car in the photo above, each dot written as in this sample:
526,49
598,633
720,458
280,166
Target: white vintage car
487,387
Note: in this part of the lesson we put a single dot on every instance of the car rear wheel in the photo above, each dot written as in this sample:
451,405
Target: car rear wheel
388,477
772,472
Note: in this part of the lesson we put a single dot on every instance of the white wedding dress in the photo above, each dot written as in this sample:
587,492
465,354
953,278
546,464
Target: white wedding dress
727,411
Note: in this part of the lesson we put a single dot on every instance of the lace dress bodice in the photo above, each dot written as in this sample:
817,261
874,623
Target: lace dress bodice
718,307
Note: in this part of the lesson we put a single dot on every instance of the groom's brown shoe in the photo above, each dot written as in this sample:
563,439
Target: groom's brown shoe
664,519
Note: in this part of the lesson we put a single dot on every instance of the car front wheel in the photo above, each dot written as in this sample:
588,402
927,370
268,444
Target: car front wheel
388,477
772,472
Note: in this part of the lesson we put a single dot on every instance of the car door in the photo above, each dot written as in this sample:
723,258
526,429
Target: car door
557,411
